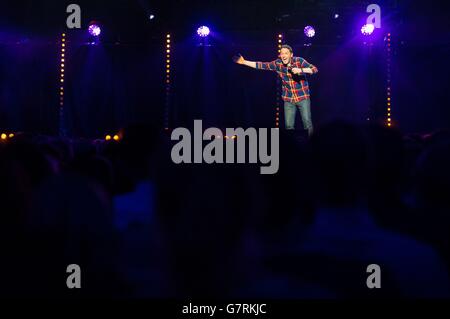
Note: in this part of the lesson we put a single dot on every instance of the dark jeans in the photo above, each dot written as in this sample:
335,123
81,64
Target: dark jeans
290,110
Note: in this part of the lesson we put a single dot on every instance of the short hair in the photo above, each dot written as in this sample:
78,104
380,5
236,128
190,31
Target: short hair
285,46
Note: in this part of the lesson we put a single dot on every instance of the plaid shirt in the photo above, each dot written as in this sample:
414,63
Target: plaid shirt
295,87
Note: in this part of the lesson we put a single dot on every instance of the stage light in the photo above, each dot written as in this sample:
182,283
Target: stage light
367,29
116,137
310,31
11,135
203,31
151,17
336,15
3,136
108,137
94,30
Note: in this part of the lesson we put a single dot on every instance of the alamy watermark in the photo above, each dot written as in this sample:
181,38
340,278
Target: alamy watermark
74,279
375,17
374,279
73,21
255,141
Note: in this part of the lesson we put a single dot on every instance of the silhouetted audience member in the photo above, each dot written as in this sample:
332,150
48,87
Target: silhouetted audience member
345,236
431,190
71,222
344,239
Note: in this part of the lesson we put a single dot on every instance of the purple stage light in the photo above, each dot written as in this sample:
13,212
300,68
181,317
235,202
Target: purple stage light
309,31
367,29
94,30
203,31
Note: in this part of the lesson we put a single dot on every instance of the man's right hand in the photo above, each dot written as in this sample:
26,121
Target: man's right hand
239,59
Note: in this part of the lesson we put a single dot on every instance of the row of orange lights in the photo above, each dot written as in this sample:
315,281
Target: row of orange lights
168,60
5,136
168,63
389,119
113,137
277,114
63,61
280,42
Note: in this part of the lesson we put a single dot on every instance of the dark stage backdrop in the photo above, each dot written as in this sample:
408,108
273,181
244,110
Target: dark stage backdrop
106,88
422,87
110,86
28,87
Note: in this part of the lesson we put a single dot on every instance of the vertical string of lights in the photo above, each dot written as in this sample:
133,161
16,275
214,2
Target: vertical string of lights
167,81
62,131
389,83
277,114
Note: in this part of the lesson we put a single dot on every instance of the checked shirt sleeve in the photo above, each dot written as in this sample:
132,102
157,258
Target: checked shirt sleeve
306,64
270,66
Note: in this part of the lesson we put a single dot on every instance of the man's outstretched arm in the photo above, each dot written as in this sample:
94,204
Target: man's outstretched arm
256,65
240,60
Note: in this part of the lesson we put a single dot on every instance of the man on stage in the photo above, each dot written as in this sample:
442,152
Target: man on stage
295,87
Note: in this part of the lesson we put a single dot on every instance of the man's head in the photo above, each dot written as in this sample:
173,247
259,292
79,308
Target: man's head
286,53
